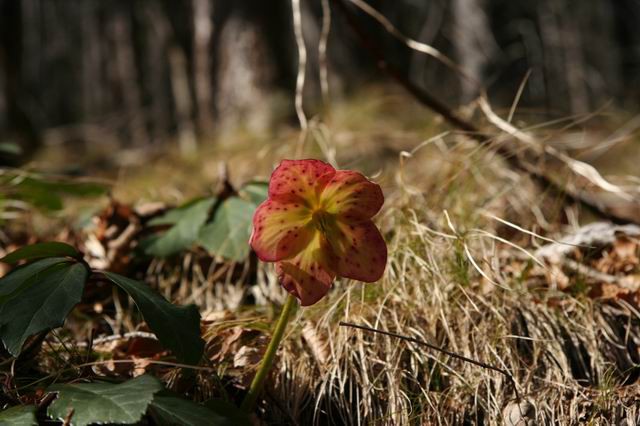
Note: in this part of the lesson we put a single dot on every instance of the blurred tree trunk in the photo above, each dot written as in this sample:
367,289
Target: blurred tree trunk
127,76
16,124
203,31
473,42
160,70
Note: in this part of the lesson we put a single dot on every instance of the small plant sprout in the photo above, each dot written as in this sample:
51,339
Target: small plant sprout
316,225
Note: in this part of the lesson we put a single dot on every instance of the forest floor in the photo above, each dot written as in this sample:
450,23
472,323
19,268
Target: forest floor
469,270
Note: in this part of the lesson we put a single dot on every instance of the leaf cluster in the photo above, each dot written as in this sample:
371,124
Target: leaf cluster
47,281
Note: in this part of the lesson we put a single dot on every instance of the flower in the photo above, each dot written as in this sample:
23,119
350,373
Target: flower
316,224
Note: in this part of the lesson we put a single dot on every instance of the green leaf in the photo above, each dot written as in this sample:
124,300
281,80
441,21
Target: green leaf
175,411
46,192
40,250
10,148
21,415
123,403
16,278
228,233
230,411
39,299
187,221
177,327
255,192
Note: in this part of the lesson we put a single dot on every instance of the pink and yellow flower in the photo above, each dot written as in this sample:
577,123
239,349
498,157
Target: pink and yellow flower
316,224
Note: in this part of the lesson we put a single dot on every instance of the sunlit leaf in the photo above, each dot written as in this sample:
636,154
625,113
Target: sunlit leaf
187,222
177,327
228,233
255,192
38,297
21,415
40,250
123,403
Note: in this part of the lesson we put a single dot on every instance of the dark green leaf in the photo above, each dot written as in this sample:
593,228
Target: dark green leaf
177,327
40,250
104,402
175,411
228,233
255,192
45,192
10,148
17,277
38,196
40,300
228,410
187,222
21,415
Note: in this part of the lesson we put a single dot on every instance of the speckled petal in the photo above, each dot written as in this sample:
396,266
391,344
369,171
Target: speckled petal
280,230
299,181
352,196
308,276
360,250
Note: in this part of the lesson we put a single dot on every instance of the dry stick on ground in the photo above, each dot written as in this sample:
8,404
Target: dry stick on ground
439,349
620,213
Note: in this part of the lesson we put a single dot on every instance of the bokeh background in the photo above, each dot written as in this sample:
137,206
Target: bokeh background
116,75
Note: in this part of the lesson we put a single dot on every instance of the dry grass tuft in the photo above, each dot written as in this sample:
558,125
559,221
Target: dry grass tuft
461,280
456,277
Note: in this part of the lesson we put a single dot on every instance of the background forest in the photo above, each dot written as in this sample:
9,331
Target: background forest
145,73
142,134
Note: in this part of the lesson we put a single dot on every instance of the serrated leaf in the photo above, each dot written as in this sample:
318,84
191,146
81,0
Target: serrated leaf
123,403
228,233
187,221
177,327
40,250
255,192
172,410
39,299
22,415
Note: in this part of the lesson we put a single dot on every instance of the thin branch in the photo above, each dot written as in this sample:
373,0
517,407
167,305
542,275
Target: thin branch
411,43
322,52
439,349
302,63
421,95
585,198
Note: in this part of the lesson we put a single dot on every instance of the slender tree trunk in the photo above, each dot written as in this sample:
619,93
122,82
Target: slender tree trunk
128,78
182,98
203,31
473,43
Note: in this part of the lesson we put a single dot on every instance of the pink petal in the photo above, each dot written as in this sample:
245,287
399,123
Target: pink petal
299,180
280,230
352,196
308,276
360,250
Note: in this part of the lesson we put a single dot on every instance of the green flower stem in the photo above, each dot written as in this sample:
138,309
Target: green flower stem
265,366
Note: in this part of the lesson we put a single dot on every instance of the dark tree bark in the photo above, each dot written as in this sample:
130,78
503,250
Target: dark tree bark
16,125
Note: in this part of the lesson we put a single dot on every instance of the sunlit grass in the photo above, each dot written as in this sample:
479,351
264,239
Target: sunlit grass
443,284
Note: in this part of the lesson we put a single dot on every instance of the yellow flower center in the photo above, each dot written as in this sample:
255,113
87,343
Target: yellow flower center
322,220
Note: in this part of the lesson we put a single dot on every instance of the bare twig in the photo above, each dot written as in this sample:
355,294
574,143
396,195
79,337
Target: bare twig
322,52
67,419
302,63
439,349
